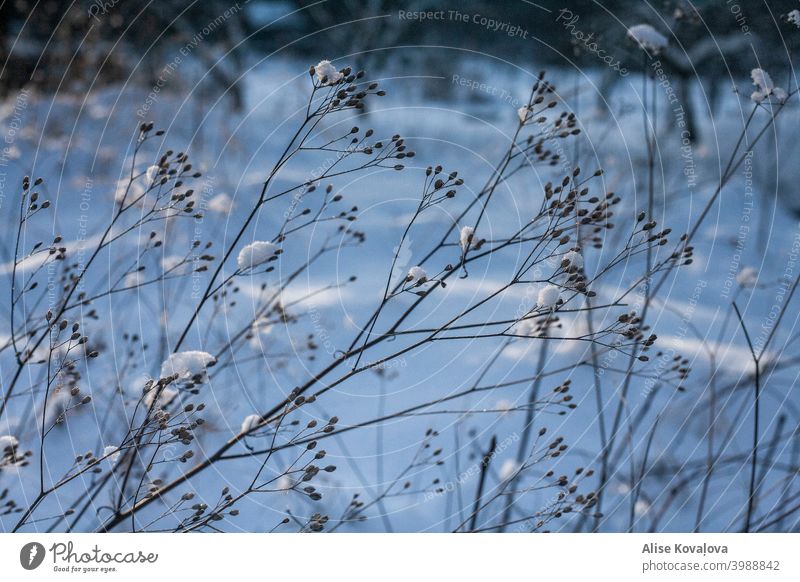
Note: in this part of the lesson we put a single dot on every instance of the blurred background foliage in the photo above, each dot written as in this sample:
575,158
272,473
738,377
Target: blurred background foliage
56,44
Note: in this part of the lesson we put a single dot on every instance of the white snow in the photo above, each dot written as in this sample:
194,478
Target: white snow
575,259
221,203
250,422
641,507
7,441
765,87
508,469
327,73
128,192
467,234
284,483
647,37
134,279
548,297
188,365
762,79
417,275
328,302
167,395
111,453
747,277
173,264
152,174
525,328
255,254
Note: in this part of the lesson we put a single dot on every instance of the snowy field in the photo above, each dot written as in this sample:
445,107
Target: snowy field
746,250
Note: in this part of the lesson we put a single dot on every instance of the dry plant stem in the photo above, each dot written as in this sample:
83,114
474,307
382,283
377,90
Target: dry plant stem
143,436
42,436
735,160
487,459
497,177
308,125
753,486
13,301
770,456
387,288
712,457
637,490
594,358
270,415
751,497
599,402
522,450
76,284
410,410
486,192
649,132
794,461
284,157
733,164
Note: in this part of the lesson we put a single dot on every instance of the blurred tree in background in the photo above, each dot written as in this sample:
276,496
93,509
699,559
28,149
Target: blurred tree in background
106,41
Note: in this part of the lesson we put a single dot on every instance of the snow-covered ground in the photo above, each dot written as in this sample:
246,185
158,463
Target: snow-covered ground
82,145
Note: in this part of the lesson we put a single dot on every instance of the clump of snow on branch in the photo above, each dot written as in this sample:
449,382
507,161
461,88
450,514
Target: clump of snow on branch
8,442
765,87
574,258
111,454
188,366
467,234
255,254
327,73
152,174
417,275
165,396
508,469
641,507
647,37
284,483
549,297
250,422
